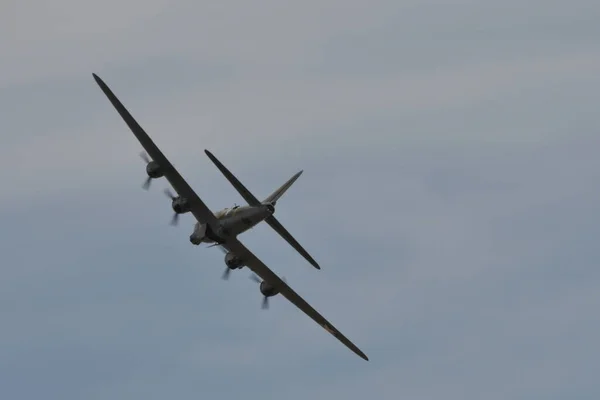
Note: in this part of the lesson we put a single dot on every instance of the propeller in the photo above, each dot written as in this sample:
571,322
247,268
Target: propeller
148,180
226,273
265,301
175,218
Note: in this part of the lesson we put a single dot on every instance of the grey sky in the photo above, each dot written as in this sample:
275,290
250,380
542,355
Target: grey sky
449,193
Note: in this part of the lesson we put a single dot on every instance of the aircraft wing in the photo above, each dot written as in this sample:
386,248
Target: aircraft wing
197,206
258,267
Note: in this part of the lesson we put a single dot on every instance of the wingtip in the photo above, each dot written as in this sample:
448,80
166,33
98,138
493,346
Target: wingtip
100,82
312,261
361,354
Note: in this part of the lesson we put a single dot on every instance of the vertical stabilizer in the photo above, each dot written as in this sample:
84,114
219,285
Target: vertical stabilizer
273,197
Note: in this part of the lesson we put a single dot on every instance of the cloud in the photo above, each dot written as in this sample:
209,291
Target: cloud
449,157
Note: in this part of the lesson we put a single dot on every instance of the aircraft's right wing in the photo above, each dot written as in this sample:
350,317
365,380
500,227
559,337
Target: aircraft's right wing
198,208
256,265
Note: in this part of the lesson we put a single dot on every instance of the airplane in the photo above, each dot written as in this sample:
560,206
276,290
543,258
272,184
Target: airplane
222,231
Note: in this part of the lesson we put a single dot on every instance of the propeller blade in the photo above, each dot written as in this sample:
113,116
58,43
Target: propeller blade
169,194
145,157
146,184
265,303
226,274
175,219
255,278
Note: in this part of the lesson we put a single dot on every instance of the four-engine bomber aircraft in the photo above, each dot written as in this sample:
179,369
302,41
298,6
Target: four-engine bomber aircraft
222,228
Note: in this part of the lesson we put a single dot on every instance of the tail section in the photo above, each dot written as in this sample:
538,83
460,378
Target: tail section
276,225
273,197
270,200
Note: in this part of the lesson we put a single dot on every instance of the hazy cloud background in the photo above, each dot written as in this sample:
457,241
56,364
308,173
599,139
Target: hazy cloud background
450,194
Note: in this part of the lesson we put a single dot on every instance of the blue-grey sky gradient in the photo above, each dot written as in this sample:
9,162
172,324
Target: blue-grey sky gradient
450,194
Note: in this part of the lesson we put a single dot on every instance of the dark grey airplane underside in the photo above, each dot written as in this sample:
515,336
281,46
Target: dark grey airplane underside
222,228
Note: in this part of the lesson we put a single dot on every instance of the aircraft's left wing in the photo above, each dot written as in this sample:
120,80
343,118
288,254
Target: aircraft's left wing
256,265
197,206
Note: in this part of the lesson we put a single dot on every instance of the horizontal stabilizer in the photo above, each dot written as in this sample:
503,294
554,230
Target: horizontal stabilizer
245,193
277,227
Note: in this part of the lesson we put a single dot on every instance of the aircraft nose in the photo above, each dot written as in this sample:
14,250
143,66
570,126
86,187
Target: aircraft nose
194,239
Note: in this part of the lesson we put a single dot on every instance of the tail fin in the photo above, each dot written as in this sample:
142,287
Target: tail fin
273,197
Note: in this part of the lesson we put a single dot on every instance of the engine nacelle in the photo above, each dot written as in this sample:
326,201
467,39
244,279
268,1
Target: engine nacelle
180,205
232,261
268,290
199,234
153,170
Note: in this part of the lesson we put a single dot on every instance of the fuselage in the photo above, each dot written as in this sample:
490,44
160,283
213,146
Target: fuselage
233,221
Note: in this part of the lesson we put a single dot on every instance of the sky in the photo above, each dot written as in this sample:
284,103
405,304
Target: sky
449,193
